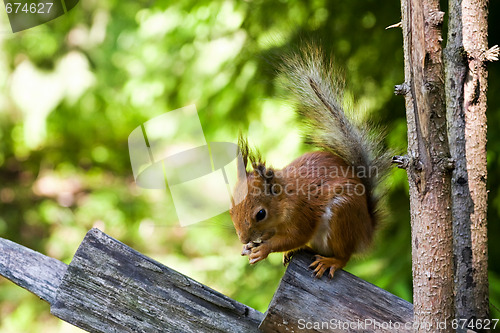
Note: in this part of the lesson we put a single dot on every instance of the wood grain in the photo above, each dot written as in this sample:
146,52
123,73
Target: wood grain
31,270
302,303
109,287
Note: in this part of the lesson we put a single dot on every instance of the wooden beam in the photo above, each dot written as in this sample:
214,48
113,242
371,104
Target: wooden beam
110,287
344,303
31,270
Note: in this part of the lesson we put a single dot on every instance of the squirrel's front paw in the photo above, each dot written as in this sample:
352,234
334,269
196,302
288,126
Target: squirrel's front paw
259,253
247,248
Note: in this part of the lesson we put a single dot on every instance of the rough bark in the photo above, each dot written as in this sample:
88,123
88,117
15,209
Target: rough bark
466,85
475,31
429,166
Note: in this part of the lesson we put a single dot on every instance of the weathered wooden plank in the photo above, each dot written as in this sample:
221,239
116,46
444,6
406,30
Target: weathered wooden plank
31,270
109,287
345,303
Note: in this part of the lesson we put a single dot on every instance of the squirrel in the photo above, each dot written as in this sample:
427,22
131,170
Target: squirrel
325,200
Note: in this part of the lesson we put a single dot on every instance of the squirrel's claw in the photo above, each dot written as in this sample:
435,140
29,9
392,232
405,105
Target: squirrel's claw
321,264
287,256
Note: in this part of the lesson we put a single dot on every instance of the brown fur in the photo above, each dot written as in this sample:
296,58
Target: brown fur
303,191
321,200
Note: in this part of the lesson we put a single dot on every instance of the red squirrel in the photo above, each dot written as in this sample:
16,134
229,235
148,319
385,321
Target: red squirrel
324,200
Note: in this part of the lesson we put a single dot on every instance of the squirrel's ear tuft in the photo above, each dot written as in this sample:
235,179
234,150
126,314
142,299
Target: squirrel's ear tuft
242,158
245,155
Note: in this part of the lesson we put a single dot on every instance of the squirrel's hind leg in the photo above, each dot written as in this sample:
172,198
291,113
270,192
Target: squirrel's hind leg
287,256
321,264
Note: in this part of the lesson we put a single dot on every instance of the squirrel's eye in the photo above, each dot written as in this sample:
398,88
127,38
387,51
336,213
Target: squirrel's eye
261,214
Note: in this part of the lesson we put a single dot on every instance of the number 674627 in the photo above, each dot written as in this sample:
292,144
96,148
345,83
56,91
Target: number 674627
29,8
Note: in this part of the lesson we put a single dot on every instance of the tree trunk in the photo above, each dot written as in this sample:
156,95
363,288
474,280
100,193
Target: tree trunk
429,167
466,86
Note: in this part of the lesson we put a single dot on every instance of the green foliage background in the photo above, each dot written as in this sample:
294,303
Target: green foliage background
72,91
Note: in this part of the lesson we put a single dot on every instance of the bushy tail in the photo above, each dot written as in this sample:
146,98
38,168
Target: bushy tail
318,89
